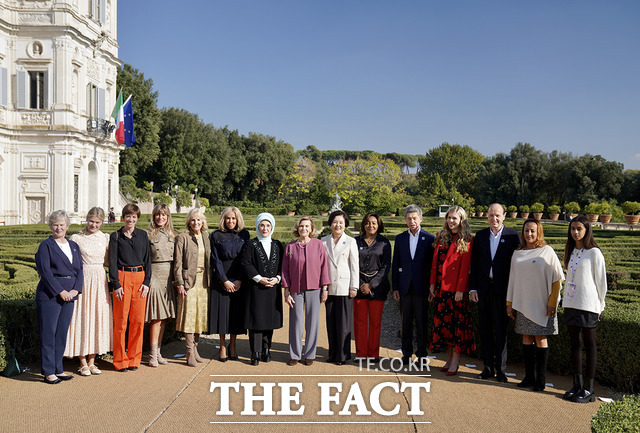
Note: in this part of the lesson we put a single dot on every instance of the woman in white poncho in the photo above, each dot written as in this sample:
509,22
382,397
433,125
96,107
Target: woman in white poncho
532,298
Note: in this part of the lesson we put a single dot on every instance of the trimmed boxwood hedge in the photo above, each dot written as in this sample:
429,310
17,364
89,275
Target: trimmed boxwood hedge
618,417
18,330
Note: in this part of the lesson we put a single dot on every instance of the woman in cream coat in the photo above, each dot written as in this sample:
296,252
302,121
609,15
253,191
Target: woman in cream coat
344,272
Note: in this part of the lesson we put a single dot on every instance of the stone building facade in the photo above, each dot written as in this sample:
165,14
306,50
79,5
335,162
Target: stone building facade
58,65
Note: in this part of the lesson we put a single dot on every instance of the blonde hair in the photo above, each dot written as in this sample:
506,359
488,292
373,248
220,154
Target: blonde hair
93,212
225,212
445,236
201,215
312,234
153,227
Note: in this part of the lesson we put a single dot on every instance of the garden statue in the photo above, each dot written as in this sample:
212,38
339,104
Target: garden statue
336,204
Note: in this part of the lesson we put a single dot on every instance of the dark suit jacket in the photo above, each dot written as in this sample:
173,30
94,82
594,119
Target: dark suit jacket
55,270
418,270
481,261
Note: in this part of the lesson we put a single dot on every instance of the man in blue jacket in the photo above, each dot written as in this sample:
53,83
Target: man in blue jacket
412,256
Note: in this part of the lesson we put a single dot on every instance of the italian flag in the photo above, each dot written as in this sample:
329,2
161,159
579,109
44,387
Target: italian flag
118,116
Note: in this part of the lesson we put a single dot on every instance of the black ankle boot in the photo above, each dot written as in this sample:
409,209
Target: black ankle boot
255,358
586,394
542,356
266,356
577,386
529,353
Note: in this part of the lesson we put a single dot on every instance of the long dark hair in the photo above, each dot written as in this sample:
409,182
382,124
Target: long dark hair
587,241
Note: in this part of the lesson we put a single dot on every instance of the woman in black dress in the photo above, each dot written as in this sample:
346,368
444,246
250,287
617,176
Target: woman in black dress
228,304
262,262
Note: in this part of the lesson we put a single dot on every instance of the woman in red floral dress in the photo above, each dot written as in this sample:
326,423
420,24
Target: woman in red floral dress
452,330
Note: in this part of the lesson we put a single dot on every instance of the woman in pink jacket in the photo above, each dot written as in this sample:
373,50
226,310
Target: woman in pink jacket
452,328
305,277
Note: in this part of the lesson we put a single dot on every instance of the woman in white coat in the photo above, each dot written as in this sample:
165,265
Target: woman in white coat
344,272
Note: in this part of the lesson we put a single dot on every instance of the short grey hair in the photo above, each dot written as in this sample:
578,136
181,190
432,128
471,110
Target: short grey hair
412,208
58,215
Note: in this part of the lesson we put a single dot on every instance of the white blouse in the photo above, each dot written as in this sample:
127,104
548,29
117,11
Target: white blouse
66,249
589,275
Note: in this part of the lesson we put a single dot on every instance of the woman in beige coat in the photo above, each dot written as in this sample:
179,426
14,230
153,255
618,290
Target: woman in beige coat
191,271
344,272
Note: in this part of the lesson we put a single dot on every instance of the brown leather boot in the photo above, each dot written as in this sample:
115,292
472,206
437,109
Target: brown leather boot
191,358
195,346
153,356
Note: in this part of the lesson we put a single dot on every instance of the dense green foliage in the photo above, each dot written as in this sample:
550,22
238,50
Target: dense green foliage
622,416
138,159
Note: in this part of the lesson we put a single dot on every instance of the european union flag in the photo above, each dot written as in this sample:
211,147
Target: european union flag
129,133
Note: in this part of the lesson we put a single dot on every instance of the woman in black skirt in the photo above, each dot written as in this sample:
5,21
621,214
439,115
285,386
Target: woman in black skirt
583,303
227,300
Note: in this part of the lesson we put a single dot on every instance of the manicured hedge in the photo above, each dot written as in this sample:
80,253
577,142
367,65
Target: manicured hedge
618,417
18,330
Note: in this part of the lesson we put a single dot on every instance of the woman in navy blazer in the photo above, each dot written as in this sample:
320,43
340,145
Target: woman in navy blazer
452,328
60,268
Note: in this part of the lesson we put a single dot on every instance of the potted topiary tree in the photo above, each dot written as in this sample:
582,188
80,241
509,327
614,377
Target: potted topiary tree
554,212
593,212
572,208
513,211
524,211
472,211
480,210
632,211
605,212
537,209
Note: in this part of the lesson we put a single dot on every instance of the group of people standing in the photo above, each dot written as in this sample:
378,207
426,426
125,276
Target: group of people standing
509,275
226,283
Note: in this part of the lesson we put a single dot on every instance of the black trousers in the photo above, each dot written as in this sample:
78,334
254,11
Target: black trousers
339,320
414,307
260,340
493,320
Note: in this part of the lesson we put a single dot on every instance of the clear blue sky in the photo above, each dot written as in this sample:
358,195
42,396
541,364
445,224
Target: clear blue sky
399,76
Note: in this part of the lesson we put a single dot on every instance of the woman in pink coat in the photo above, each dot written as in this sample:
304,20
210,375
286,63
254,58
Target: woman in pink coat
305,277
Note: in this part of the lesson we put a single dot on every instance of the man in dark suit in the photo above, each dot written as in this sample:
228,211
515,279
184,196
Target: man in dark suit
412,256
488,281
